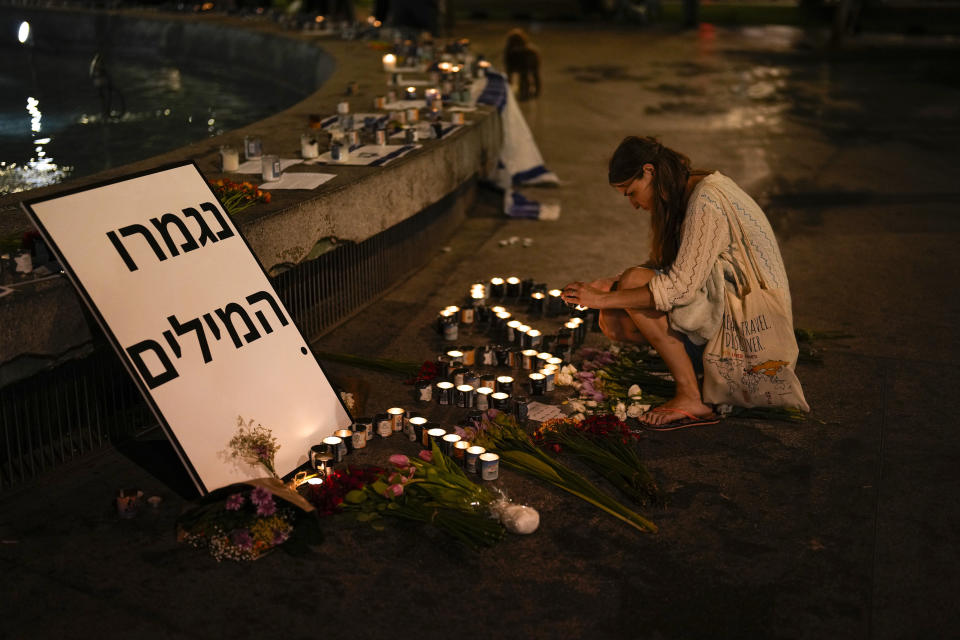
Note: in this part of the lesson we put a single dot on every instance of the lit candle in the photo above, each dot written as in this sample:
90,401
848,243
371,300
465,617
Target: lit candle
465,393
549,377
498,309
537,384
345,435
411,93
520,336
396,418
505,384
315,481
448,440
512,328
335,448
471,457
456,356
513,287
444,392
555,361
501,400
435,435
417,422
528,356
555,305
389,63
536,302
460,450
483,398
489,466
534,337
496,287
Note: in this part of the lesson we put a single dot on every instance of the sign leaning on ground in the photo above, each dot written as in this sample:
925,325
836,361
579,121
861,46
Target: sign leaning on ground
193,316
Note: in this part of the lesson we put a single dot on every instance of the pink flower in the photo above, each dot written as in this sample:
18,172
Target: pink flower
241,538
394,491
400,461
426,456
267,508
260,495
235,502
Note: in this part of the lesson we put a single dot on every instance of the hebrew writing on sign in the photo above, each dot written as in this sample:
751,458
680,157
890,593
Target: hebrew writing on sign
193,316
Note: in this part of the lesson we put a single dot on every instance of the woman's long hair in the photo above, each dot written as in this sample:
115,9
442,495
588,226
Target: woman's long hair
670,175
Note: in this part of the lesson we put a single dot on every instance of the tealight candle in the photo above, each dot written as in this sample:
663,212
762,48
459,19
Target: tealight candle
335,448
489,466
460,450
556,361
411,93
555,303
384,425
483,398
549,377
512,327
343,108
520,335
389,63
471,457
527,358
309,148
465,393
513,287
538,385
534,337
396,418
496,287
455,355
498,309
501,400
448,440
435,436
319,457
444,392
346,435
315,481
536,302
269,168
418,423
229,158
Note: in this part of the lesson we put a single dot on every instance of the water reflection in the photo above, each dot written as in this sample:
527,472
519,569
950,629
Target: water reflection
40,170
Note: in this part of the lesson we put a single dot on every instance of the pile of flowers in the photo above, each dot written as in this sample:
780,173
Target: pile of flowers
608,446
237,523
431,489
237,196
519,451
606,382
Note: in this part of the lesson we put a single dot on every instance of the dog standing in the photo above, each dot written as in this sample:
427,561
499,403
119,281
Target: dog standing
523,59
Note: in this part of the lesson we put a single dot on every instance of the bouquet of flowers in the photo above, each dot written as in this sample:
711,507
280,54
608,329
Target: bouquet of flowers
237,196
239,522
608,446
518,450
254,444
430,489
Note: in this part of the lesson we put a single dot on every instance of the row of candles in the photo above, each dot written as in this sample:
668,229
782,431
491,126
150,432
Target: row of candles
334,449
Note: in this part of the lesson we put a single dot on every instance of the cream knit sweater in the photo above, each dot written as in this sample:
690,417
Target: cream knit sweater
691,291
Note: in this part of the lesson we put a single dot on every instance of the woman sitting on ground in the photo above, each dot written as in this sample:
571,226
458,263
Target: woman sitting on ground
675,301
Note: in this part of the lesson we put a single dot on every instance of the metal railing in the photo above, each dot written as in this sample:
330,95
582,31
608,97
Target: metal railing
78,407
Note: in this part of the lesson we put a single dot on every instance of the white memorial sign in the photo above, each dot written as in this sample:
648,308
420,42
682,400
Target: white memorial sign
193,316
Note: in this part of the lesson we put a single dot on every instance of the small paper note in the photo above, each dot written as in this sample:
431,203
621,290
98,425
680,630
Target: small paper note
540,412
255,166
299,181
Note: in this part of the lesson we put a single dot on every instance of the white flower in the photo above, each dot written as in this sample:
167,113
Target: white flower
634,391
635,410
614,349
564,379
578,417
591,403
620,411
577,405
568,369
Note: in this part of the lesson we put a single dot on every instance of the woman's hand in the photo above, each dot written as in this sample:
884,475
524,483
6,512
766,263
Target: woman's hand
587,295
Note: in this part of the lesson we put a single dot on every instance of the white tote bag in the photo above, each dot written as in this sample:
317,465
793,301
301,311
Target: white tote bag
750,361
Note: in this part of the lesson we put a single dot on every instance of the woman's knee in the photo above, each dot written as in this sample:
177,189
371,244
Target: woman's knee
636,277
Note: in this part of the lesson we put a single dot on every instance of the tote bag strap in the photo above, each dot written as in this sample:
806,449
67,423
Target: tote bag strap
752,272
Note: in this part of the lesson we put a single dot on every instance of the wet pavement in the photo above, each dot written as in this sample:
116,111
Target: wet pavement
843,526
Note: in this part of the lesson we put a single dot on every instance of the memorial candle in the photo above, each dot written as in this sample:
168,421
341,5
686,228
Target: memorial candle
389,63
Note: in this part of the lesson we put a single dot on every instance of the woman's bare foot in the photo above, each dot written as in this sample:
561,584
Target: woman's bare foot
677,410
